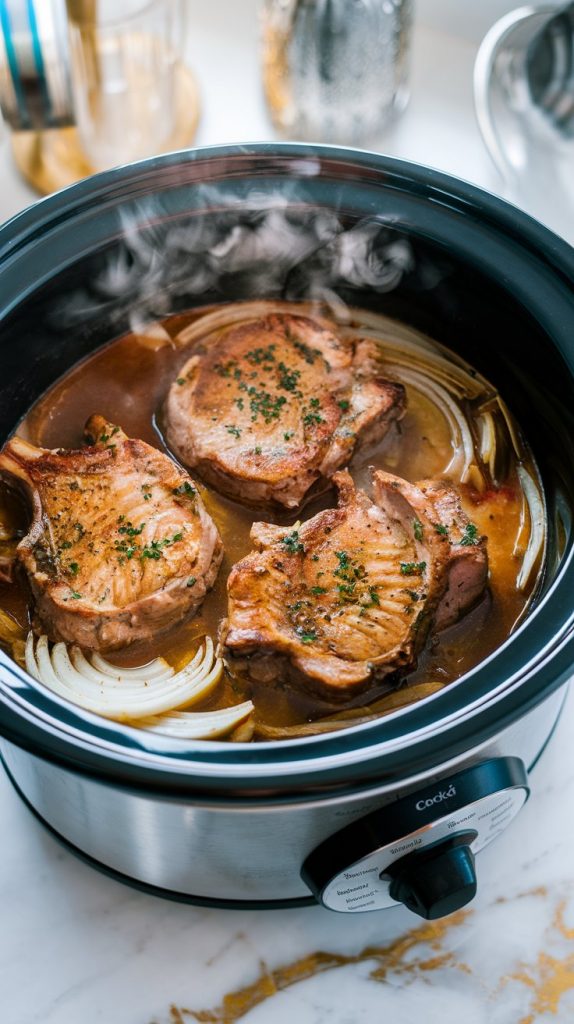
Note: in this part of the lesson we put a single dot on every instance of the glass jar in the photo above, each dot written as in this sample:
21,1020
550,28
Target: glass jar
335,70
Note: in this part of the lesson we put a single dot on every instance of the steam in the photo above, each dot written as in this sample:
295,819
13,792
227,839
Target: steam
231,245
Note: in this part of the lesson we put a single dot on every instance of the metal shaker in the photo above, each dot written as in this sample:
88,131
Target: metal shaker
335,70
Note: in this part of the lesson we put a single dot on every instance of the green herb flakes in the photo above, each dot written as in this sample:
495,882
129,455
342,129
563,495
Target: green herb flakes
292,543
470,537
185,488
413,568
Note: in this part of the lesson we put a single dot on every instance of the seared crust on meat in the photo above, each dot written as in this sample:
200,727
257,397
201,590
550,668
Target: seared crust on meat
468,558
269,408
344,600
120,546
350,596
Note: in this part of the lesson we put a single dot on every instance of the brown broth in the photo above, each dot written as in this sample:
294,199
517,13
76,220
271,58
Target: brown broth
126,382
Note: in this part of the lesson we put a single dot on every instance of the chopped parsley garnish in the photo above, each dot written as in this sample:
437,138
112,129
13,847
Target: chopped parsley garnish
75,595
239,403
153,550
125,549
343,561
418,529
156,547
352,575
233,430
65,545
312,416
181,381
263,404
105,437
225,370
185,488
74,568
441,528
413,568
318,590
288,379
191,581
288,435
292,543
308,636
470,536
343,404
258,449
257,356
130,530
309,354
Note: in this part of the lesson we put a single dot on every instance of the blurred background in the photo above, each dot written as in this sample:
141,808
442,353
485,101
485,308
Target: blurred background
442,82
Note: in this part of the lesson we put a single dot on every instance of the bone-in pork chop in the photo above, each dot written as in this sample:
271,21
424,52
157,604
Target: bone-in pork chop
120,546
270,407
346,598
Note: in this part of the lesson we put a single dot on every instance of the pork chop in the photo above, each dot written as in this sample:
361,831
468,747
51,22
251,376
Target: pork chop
268,408
120,546
348,597
333,598
468,557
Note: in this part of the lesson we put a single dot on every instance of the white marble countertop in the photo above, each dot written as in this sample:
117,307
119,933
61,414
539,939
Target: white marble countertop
78,948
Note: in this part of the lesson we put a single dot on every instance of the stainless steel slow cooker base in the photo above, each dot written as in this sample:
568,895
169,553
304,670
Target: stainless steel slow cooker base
242,852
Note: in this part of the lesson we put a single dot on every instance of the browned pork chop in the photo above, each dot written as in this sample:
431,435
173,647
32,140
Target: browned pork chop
120,546
468,561
346,598
267,408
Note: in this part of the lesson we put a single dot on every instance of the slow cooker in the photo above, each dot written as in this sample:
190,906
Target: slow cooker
390,811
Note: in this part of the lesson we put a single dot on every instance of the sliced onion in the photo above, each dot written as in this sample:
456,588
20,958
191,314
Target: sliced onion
131,695
523,532
400,698
198,725
487,443
537,536
463,457
399,346
516,443
12,635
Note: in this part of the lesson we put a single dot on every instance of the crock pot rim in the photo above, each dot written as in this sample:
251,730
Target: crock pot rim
465,196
